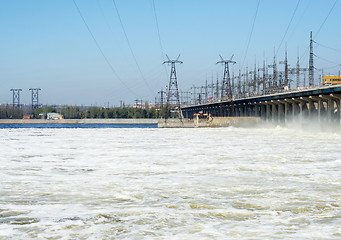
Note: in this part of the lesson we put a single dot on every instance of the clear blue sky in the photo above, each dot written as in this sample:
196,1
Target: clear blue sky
46,44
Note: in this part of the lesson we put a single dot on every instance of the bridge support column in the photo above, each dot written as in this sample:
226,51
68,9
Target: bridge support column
319,108
280,111
274,111
262,110
283,111
256,110
245,110
301,107
293,108
330,107
338,106
268,111
310,107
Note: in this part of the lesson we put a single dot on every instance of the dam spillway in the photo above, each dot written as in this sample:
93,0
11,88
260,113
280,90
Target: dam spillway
321,104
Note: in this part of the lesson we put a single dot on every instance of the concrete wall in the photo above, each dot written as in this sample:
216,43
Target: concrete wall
175,123
228,121
81,121
170,123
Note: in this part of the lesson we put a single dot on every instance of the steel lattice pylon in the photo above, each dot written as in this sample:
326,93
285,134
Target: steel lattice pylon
173,100
226,88
16,96
35,97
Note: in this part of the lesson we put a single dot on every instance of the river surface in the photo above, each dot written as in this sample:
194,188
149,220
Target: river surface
149,183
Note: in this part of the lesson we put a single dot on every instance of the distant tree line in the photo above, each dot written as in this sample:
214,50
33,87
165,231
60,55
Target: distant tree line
70,112
76,112
8,111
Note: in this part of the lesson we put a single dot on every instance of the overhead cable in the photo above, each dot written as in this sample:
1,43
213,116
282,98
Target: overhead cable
286,31
318,31
100,49
253,25
334,49
129,45
326,60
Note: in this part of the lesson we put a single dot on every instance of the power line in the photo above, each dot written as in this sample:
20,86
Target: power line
100,49
105,18
337,50
159,36
318,31
253,25
338,64
286,31
129,45
335,66
158,30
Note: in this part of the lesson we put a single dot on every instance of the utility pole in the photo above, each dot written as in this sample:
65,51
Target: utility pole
274,75
285,62
226,84
244,83
206,92
173,100
232,83
297,71
239,84
161,97
35,97
263,82
195,94
211,86
247,82
253,81
185,95
311,62
16,96
217,90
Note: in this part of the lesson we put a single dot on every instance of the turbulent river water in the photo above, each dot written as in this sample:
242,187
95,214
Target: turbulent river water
149,183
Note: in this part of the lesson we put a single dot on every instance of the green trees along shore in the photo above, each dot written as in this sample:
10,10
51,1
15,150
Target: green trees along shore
76,112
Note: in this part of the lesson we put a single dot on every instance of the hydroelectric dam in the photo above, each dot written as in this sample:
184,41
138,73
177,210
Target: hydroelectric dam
320,104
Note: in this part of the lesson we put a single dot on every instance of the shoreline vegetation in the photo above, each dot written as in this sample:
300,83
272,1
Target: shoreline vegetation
76,112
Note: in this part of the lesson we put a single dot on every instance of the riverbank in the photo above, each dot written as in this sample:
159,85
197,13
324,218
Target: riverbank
80,121
161,123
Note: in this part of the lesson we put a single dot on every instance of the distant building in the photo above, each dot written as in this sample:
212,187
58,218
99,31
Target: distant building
27,116
53,116
143,106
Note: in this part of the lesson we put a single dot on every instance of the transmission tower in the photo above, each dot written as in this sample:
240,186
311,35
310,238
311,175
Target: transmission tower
226,86
173,100
311,62
35,97
16,96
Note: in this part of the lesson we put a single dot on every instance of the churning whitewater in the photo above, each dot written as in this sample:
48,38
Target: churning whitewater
213,183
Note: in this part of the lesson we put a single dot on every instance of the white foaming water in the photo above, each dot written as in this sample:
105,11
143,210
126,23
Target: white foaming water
215,183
